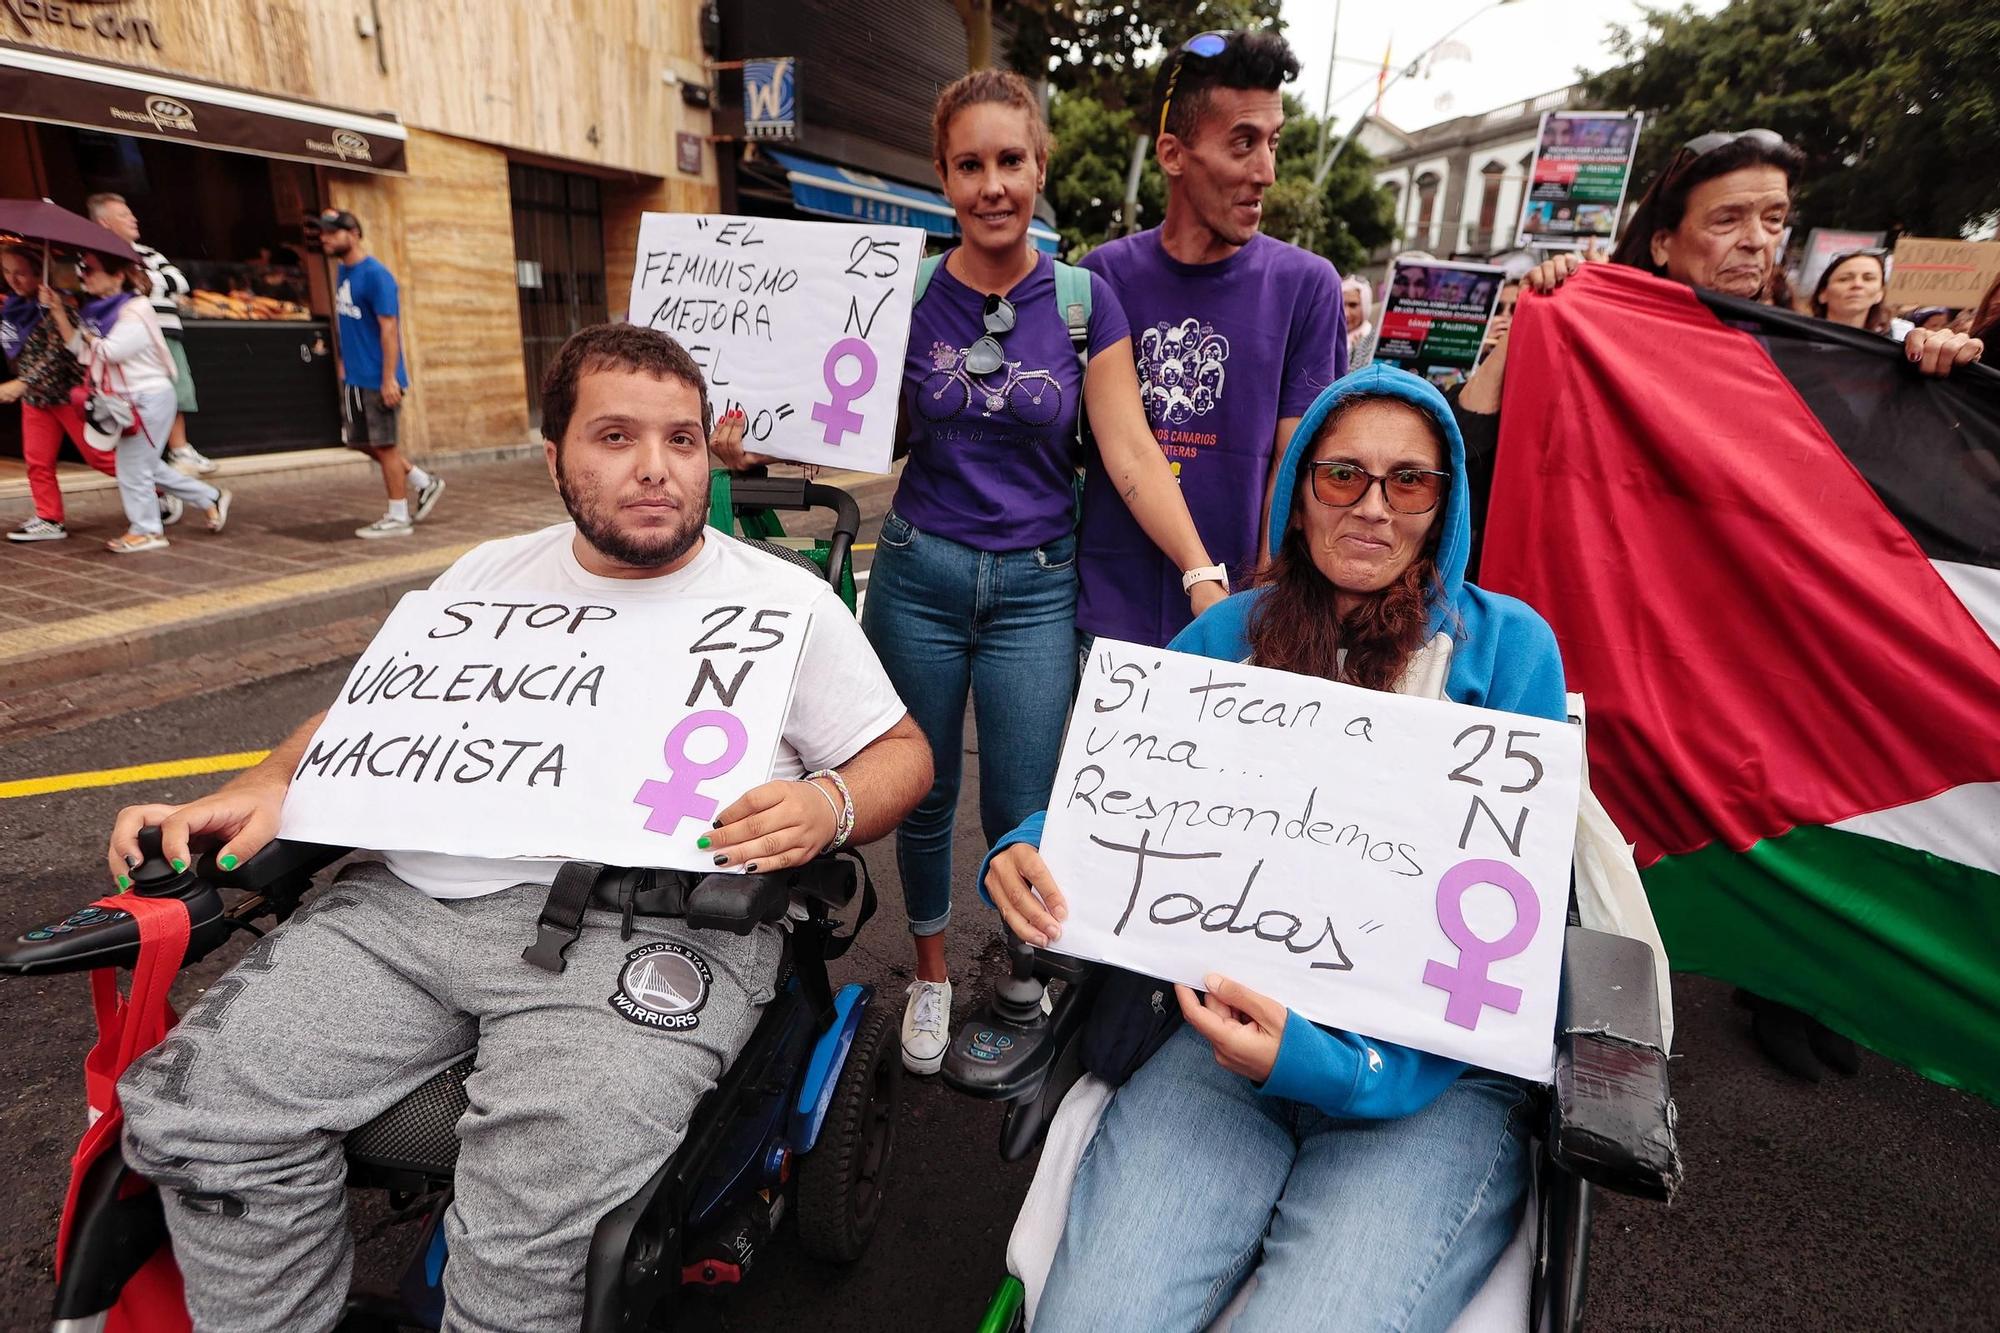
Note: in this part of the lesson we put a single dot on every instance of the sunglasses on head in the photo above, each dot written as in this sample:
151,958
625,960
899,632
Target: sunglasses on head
1703,144
985,357
1206,45
1406,490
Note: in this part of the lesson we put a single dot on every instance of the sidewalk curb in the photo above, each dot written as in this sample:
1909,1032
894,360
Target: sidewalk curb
204,622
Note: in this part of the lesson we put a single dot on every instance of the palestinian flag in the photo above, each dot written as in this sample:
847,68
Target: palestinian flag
1771,552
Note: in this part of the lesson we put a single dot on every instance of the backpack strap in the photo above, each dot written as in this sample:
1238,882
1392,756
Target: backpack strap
1073,297
925,269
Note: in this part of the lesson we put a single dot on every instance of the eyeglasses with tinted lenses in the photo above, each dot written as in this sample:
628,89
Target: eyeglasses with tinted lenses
1207,45
985,357
1408,490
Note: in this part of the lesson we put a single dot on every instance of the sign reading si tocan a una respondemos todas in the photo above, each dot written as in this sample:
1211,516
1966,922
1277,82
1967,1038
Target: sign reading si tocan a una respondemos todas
803,325
596,728
1394,866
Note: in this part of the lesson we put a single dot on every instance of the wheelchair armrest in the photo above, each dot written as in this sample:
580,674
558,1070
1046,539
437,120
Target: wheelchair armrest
276,862
737,903
1612,1117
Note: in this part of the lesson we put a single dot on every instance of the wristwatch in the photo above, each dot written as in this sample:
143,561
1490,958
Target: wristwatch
1205,574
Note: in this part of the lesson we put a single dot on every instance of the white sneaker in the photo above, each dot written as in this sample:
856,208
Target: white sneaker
427,499
386,526
926,1026
171,509
38,529
188,459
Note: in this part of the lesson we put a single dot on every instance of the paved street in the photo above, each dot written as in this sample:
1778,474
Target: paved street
1864,1204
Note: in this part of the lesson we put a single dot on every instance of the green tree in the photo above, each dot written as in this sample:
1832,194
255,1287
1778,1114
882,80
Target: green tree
1892,101
1343,219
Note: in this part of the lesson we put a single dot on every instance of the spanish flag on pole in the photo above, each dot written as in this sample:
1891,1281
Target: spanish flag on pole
1382,79
1771,553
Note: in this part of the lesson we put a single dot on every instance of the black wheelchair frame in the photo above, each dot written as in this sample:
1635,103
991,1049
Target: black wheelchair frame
1609,1119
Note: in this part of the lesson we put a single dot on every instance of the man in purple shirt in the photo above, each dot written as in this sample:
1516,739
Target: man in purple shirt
1234,332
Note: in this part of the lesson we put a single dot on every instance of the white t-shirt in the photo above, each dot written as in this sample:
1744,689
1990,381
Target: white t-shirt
843,699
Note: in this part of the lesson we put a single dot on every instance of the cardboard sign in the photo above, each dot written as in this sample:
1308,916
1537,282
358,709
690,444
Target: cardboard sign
1393,866
803,325
1939,272
588,727
1434,317
1576,188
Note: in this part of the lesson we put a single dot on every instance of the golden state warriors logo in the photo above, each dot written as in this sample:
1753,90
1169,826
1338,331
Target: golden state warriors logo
662,985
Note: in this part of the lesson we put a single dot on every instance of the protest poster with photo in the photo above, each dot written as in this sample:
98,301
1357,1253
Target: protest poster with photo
1576,188
590,727
803,325
1930,270
1390,865
1434,317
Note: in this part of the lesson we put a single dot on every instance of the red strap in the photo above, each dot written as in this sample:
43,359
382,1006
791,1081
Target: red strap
126,1029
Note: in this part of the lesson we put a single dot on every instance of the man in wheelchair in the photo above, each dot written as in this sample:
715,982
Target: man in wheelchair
588,1066
1366,1185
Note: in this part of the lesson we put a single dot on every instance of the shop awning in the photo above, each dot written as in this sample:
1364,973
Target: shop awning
62,90
855,196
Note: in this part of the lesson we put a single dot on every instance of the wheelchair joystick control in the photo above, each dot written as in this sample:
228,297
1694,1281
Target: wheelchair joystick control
155,876
1017,997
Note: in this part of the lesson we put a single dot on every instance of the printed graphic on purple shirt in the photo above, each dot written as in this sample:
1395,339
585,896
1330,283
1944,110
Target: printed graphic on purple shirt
992,457
1224,352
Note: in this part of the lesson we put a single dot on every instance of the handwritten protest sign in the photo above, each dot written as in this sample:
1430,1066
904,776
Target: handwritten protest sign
1434,317
1394,866
801,324
599,728
1576,188
1928,271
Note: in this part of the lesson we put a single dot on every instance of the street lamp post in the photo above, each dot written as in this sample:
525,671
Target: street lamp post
1326,163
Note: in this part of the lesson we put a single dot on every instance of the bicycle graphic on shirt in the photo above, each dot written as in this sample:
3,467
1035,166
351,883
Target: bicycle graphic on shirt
1031,397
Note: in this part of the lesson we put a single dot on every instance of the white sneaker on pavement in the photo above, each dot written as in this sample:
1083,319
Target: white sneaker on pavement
386,526
38,529
926,1026
427,499
189,459
171,508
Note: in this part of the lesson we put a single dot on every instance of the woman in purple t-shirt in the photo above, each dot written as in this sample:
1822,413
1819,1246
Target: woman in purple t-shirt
974,583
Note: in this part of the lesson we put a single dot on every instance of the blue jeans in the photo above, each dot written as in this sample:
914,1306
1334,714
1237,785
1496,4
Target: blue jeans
1194,1179
947,618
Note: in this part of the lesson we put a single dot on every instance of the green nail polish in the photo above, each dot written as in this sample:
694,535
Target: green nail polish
179,864
124,883
702,841
228,861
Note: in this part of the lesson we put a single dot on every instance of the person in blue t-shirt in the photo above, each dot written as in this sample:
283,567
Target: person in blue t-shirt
372,372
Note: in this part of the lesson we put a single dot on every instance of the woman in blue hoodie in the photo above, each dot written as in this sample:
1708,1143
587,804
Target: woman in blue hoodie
1368,1185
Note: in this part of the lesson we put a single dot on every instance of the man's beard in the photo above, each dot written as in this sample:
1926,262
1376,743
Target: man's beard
595,521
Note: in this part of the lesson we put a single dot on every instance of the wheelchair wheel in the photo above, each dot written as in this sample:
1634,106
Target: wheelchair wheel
841,1179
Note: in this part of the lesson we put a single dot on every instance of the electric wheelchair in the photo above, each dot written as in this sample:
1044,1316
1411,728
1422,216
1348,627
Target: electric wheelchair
1608,1119
802,1122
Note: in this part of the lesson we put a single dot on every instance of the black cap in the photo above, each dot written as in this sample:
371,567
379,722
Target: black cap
339,219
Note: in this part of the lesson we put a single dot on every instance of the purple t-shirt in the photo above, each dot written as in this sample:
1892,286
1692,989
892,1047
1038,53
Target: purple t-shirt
992,458
1224,351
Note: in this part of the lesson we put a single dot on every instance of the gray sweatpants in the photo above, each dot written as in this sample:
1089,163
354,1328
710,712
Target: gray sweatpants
583,1087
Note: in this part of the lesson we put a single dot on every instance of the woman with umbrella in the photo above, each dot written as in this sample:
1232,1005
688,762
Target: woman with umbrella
44,374
124,353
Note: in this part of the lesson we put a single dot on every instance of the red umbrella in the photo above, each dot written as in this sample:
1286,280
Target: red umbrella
40,220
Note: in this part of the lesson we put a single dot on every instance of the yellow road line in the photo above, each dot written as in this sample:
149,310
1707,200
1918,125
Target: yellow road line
114,777
862,546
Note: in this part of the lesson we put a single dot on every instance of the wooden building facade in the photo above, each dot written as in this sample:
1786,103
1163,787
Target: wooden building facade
499,155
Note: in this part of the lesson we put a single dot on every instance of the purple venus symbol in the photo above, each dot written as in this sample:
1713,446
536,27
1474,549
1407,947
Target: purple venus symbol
834,414
680,796
1471,990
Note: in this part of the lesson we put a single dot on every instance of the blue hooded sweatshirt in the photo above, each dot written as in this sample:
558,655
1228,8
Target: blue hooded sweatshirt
1503,656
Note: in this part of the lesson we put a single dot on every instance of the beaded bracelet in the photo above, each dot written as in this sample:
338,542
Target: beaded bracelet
845,829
